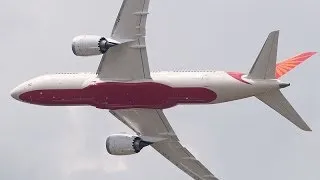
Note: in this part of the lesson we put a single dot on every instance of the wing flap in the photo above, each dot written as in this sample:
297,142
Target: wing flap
153,123
127,61
146,122
131,20
183,159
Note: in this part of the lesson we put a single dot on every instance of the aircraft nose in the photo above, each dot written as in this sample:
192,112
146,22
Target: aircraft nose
15,93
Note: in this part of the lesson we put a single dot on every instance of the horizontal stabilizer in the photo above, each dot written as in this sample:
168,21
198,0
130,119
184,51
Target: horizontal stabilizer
279,103
287,65
265,65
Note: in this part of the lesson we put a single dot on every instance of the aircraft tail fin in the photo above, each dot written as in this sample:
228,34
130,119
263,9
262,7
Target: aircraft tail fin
279,103
287,65
265,65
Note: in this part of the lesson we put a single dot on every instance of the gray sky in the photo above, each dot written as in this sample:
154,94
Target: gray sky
237,140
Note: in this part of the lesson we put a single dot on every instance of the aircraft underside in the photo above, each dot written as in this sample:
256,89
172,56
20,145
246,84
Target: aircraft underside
124,84
117,95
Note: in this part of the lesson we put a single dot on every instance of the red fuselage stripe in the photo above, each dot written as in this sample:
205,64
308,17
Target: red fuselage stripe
238,76
115,95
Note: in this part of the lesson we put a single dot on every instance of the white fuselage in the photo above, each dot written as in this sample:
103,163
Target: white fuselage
164,90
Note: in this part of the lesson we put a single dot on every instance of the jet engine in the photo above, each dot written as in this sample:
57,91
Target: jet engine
125,144
90,45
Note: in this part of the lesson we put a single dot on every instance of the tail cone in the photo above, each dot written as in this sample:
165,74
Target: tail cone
284,85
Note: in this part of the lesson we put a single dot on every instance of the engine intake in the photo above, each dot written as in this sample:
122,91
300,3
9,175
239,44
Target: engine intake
90,45
124,144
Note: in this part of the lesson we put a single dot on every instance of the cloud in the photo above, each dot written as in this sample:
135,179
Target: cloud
107,166
76,145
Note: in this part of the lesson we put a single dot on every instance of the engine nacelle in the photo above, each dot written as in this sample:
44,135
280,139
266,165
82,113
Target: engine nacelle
125,144
90,45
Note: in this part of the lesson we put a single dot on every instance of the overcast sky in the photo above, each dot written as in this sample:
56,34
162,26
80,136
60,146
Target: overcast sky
241,140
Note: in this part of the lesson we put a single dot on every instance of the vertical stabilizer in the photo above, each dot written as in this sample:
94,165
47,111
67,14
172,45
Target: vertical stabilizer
289,64
279,103
265,64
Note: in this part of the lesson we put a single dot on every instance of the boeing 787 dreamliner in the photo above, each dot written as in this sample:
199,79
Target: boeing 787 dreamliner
124,85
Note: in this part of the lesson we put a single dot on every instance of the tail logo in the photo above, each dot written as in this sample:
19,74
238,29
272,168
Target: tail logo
285,66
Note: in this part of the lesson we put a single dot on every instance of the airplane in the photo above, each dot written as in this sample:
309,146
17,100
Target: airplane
124,85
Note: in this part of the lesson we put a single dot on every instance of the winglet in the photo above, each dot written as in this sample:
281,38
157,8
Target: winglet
287,65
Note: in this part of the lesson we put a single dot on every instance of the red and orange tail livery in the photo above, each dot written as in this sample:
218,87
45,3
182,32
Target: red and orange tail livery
287,65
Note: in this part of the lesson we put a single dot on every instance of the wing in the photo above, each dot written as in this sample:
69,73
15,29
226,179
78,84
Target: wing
153,123
129,60
131,20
